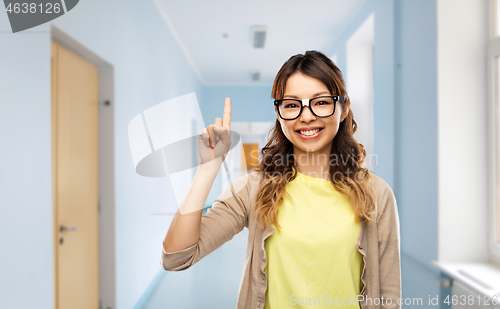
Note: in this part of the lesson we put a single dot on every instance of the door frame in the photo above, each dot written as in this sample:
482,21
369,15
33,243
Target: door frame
107,274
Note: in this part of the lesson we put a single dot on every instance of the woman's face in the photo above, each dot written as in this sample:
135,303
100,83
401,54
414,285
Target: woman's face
300,86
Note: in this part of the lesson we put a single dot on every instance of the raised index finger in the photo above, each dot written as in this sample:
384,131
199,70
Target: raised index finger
226,122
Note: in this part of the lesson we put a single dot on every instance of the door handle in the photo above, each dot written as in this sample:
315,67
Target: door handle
63,228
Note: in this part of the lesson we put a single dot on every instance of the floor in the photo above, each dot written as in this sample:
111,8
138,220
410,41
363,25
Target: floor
213,282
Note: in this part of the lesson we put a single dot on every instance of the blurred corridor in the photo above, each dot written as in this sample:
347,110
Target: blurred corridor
423,78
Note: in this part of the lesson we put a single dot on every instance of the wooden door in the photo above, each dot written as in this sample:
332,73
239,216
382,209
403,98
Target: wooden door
75,103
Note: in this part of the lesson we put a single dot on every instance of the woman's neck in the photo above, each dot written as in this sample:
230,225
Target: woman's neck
314,164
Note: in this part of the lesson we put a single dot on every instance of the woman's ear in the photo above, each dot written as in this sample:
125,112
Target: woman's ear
345,108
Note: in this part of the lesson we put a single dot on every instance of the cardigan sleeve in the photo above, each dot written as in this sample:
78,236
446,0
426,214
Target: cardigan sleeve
226,218
389,249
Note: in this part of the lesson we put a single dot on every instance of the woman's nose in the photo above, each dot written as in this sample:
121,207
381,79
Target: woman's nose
307,115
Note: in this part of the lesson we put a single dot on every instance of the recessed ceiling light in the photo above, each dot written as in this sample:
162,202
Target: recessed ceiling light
255,75
259,36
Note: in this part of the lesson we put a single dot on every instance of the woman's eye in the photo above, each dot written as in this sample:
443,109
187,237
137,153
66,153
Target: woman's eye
291,105
323,103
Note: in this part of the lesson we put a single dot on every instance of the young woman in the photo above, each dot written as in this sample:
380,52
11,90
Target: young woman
323,230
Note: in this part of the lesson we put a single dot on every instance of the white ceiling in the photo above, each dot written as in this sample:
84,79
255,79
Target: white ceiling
293,26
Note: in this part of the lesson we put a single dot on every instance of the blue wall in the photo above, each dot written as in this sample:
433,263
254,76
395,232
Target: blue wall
248,103
25,172
416,139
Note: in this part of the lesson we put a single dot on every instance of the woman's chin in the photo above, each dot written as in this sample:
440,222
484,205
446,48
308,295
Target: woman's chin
308,149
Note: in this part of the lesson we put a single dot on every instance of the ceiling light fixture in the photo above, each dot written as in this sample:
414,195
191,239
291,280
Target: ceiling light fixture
255,74
259,36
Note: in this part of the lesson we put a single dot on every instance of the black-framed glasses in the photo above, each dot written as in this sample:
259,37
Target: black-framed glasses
324,106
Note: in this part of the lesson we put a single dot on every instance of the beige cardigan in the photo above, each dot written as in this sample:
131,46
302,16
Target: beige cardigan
378,242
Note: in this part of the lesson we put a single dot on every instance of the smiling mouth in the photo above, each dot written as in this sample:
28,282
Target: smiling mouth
309,132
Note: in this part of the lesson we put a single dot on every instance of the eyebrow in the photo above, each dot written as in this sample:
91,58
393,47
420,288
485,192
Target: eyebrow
317,94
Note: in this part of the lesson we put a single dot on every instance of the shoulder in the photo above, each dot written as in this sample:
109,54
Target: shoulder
378,183
380,186
384,195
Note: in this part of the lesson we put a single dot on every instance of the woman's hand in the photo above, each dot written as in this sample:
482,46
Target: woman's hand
215,140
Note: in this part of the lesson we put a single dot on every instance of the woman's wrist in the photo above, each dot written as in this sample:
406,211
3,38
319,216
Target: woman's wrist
210,167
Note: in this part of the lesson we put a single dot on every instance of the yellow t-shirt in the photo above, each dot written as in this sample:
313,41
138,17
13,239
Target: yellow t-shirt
314,261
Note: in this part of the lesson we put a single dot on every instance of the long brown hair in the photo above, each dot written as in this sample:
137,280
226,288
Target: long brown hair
349,178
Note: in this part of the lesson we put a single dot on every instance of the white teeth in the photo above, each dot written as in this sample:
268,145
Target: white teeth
311,132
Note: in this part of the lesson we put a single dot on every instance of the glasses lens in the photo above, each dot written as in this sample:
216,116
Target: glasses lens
323,107
289,109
